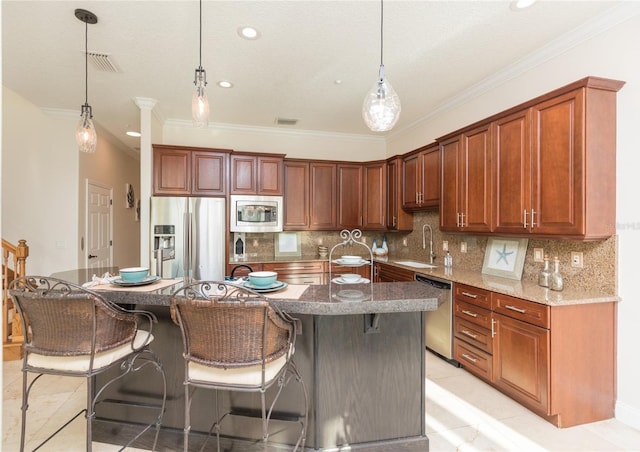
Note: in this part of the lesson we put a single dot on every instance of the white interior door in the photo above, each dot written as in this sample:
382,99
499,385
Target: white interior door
99,243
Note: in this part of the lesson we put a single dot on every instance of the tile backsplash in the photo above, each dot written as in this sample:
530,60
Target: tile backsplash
600,258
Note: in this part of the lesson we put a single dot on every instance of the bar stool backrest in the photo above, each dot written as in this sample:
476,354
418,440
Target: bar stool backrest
62,319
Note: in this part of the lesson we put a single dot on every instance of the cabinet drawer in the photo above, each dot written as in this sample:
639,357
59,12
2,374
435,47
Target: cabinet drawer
285,268
473,295
472,313
473,334
527,311
474,360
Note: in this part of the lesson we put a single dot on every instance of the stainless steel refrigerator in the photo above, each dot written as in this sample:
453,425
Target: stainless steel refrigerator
188,237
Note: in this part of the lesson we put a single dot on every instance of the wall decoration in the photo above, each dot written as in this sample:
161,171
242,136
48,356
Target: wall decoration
288,244
138,210
130,197
505,257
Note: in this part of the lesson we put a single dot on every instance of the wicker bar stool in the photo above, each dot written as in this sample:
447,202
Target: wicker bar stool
234,340
72,331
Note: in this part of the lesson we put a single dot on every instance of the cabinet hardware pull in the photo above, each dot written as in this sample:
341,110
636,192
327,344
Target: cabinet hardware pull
417,198
394,220
462,219
533,223
493,331
457,219
524,212
467,333
470,358
513,308
470,295
469,313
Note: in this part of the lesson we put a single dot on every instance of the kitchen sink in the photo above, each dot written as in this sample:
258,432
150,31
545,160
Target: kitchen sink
415,264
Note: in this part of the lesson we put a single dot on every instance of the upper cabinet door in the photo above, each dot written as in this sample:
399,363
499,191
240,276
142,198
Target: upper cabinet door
397,218
512,170
349,196
374,196
421,178
208,170
558,166
322,195
296,195
465,197
255,174
171,171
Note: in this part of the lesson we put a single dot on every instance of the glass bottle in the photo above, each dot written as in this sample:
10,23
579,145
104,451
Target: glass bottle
545,273
374,246
448,260
555,280
385,247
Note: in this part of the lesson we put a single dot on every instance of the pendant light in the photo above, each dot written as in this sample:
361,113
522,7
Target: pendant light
86,136
381,107
199,101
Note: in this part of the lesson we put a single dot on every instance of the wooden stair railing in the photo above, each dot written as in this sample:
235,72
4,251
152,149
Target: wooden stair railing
14,262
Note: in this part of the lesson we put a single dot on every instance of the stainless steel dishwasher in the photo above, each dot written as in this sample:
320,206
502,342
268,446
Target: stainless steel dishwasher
438,324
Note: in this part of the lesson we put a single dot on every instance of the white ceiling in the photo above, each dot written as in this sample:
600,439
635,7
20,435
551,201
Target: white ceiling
433,51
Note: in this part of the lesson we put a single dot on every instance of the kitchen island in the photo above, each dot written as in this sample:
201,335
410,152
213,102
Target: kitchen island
361,355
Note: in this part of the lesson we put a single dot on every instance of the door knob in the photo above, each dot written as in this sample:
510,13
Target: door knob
91,256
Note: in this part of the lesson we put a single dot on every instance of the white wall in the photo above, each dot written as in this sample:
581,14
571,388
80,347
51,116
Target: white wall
295,144
43,183
612,54
39,184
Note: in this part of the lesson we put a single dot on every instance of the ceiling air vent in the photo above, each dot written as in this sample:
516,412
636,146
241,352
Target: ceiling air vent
102,62
286,122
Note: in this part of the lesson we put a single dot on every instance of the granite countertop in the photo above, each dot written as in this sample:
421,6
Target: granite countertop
520,289
326,299
526,290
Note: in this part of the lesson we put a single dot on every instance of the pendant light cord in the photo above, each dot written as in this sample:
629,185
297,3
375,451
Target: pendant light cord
200,63
381,28
86,64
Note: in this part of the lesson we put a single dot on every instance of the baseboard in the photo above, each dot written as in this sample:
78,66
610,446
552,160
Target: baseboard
628,414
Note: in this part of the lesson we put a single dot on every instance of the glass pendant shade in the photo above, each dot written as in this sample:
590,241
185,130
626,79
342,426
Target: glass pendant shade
86,136
381,107
199,101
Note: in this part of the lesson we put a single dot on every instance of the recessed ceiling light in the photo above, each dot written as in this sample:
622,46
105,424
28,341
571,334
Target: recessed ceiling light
132,133
519,5
338,82
248,32
225,84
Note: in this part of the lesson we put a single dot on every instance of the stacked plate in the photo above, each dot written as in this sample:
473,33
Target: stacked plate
323,250
350,261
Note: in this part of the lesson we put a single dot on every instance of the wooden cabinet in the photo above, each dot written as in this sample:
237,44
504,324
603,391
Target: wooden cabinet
310,195
389,273
188,171
465,196
349,195
256,174
397,218
421,178
374,196
242,270
554,163
473,330
335,270
558,361
322,196
296,195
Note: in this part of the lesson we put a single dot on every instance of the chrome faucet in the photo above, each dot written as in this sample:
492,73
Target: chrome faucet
432,256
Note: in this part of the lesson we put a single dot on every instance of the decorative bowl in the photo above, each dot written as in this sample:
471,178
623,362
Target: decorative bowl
262,279
351,277
134,274
351,259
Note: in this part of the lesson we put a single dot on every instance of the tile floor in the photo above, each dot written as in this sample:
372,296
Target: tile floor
463,414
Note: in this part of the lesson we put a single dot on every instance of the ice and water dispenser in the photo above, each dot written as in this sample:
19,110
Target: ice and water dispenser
164,245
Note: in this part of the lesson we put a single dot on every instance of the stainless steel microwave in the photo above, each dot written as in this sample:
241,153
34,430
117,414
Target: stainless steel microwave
251,213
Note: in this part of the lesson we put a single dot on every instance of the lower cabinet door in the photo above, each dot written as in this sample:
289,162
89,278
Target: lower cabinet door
474,360
521,362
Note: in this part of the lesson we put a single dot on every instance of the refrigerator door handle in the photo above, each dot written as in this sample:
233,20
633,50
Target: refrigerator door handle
186,227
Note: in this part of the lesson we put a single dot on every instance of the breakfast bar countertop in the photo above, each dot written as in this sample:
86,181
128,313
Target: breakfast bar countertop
326,299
